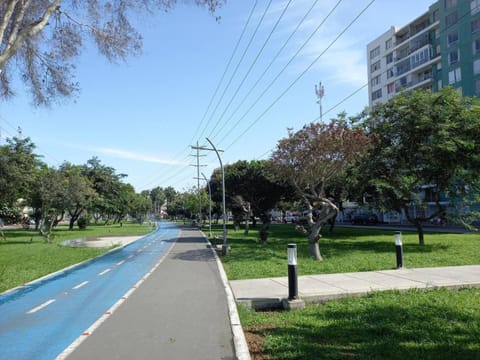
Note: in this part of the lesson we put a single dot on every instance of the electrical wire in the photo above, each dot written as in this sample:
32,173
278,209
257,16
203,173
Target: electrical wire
298,77
225,71
251,66
237,67
275,57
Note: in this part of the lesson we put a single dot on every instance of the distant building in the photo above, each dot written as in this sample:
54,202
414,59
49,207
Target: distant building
440,47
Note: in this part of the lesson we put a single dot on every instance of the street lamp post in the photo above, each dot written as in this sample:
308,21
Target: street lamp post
225,245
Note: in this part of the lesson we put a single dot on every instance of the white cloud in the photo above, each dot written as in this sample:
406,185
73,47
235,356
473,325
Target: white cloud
123,154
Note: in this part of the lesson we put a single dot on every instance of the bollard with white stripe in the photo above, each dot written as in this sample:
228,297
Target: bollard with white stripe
292,272
399,249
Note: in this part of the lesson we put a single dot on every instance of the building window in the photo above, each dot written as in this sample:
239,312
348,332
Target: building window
390,88
477,87
476,67
376,94
389,58
439,84
452,38
474,6
454,76
453,57
376,80
476,46
451,19
375,52
475,25
450,3
375,66
390,73
389,43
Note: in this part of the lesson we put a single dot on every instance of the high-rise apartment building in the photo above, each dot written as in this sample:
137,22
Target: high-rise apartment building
440,47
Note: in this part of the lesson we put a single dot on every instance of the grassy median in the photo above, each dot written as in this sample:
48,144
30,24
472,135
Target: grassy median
436,324
25,256
344,250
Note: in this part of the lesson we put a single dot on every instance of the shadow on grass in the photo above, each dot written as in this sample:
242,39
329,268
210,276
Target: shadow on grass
378,329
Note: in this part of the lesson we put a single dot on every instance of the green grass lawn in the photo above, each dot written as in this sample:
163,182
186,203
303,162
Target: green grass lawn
437,324
25,256
345,250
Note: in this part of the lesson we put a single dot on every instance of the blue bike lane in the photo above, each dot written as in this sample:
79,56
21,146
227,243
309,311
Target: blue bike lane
40,320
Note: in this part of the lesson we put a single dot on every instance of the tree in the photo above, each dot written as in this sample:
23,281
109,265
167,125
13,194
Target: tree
424,142
48,200
255,184
40,39
18,164
106,184
314,159
79,192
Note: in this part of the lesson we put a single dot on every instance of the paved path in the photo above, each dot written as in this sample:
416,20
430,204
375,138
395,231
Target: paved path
269,292
179,312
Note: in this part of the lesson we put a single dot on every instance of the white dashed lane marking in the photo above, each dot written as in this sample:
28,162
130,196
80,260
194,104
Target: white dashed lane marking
80,285
120,262
104,272
40,307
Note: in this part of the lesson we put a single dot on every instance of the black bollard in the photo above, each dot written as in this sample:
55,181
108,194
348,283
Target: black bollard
292,272
399,249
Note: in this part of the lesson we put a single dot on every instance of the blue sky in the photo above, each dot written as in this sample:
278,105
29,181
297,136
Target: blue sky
140,117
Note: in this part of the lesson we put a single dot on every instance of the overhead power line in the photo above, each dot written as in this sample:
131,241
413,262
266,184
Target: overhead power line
225,71
252,65
274,58
298,77
237,67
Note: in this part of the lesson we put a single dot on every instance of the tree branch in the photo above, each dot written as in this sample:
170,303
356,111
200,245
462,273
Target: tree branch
6,18
18,37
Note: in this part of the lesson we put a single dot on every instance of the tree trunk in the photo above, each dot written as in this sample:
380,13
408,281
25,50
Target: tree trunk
264,232
421,239
313,239
314,250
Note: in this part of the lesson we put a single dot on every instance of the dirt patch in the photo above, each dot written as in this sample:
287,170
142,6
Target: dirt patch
255,336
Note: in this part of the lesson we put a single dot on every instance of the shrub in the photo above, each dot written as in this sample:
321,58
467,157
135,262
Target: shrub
82,223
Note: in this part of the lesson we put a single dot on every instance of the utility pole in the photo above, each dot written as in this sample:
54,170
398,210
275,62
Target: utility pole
198,148
320,92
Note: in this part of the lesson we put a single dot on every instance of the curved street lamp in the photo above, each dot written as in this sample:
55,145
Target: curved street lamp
224,245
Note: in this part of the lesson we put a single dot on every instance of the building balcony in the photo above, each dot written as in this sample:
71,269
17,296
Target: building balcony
414,84
410,35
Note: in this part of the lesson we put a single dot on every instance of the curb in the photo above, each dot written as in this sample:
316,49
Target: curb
240,343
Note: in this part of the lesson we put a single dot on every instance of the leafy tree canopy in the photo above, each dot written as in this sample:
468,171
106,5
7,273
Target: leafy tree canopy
423,140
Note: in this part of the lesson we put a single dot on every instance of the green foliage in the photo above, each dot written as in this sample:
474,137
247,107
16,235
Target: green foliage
344,250
436,324
18,164
423,139
83,222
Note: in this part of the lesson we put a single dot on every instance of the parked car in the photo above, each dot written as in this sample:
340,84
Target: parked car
365,219
290,218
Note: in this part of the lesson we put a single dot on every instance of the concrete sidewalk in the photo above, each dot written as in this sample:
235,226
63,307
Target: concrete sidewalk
181,311
269,292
